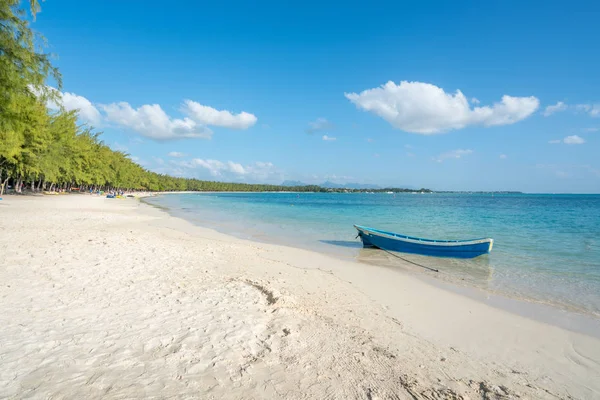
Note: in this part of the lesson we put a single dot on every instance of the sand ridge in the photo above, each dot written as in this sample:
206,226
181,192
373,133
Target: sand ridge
113,299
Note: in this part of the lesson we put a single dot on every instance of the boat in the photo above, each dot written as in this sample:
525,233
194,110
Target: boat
375,238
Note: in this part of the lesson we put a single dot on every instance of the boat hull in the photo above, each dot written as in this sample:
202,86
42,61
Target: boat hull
405,244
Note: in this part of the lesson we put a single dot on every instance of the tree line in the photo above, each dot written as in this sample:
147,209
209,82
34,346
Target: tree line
44,149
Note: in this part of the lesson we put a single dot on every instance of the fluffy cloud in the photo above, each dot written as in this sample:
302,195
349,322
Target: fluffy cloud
215,167
176,154
574,139
263,171
151,121
453,154
328,138
210,116
320,124
427,109
592,109
503,156
558,107
70,101
258,171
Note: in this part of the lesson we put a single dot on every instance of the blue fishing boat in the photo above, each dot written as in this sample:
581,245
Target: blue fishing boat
439,248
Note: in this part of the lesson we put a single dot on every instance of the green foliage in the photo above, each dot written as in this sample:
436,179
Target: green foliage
37,145
23,65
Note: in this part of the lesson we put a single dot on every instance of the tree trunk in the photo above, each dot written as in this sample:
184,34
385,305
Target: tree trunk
18,185
4,185
39,185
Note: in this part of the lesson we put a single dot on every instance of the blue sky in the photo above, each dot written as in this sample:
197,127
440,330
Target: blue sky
390,93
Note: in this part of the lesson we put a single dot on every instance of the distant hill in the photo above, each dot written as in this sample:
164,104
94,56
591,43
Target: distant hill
293,183
333,185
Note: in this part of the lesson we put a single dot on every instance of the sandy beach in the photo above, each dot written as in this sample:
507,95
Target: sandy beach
115,299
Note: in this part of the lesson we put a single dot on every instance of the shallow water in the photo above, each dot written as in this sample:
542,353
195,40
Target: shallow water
546,247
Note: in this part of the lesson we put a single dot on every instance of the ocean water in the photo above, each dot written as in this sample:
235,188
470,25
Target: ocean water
546,247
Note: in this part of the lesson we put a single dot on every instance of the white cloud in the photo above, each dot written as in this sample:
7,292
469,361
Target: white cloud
176,154
590,130
558,107
475,100
151,121
215,167
328,138
370,140
257,171
87,111
70,101
503,156
236,168
427,109
453,154
320,124
211,116
263,171
592,109
574,139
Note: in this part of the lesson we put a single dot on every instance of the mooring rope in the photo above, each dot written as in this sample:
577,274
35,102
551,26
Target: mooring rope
408,261
404,259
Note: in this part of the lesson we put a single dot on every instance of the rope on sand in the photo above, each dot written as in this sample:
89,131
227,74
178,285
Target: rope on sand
412,262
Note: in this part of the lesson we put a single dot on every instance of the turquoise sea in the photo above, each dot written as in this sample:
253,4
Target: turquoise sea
546,247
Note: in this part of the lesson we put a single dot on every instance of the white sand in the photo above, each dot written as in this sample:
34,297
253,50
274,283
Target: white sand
115,299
